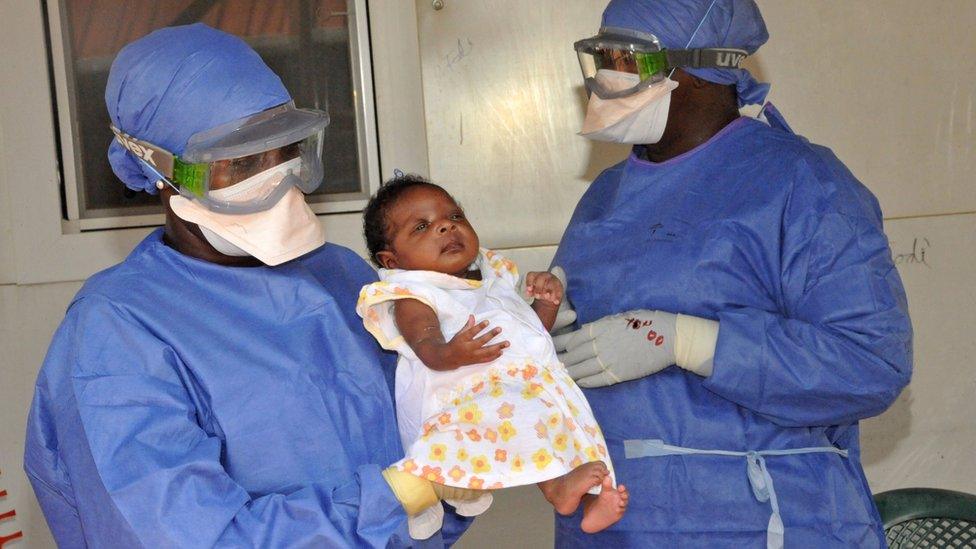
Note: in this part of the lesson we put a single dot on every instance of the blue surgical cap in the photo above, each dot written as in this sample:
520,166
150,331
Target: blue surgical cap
177,81
719,23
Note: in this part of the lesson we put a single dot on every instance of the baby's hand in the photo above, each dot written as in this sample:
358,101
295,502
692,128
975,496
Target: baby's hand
467,347
544,287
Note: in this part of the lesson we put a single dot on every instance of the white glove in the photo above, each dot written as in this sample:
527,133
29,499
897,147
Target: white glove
635,344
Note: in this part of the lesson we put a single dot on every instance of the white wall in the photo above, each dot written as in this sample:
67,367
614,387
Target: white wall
29,316
889,84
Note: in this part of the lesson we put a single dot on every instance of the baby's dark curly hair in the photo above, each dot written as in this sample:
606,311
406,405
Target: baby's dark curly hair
375,227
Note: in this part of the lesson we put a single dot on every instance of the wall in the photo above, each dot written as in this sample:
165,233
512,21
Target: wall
887,84
29,315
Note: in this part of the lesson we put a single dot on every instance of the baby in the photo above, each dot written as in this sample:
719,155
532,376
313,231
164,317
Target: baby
475,412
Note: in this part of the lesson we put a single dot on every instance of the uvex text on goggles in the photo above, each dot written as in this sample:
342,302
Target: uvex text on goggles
219,165
639,53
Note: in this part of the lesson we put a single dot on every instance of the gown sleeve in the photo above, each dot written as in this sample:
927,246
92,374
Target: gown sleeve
157,476
840,348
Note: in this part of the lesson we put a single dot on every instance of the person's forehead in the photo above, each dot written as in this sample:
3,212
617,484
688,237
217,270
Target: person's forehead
421,197
418,200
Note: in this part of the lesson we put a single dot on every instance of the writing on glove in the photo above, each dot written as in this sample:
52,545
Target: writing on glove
618,348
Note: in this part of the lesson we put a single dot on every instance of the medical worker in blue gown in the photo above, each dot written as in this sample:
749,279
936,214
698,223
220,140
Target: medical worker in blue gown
217,388
738,309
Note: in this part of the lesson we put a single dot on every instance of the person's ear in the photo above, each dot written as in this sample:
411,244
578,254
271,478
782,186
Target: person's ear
387,259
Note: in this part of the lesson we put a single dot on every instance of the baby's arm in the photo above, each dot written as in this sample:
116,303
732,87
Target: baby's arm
422,331
548,293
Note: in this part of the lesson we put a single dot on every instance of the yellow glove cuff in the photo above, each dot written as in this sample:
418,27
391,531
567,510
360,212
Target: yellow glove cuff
694,344
415,494
454,493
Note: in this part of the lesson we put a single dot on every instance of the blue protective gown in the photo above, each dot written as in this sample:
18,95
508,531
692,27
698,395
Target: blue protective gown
186,404
774,238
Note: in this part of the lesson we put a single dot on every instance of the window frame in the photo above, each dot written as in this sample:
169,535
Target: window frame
71,160
42,246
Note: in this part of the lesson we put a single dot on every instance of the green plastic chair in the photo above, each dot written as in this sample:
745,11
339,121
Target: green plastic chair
928,517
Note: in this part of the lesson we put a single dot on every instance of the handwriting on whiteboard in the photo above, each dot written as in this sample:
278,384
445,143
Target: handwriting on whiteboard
916,255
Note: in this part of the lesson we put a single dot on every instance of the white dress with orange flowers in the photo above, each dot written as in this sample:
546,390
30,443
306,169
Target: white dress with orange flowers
515,421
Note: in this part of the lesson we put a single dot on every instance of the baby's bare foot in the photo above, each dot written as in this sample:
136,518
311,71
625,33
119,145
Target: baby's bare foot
604,510
565,492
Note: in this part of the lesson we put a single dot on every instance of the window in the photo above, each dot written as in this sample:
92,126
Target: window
319,48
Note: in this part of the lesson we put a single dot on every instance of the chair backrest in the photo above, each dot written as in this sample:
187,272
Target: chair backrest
928,517
924,533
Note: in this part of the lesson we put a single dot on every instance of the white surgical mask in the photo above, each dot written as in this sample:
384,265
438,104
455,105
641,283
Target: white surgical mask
260,184
281,233
221,244
636,119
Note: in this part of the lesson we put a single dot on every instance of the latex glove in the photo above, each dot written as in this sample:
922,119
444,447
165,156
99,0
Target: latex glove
618,348
414,493
635,344
694,345
565,315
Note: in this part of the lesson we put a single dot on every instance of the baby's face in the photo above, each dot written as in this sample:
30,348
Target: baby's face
428,231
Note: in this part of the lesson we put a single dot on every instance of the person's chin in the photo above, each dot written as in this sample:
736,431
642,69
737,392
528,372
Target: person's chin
457,260
455,249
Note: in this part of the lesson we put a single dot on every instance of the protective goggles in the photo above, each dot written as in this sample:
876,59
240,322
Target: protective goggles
639,53
246,165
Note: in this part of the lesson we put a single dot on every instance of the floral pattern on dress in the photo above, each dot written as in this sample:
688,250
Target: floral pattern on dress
508,440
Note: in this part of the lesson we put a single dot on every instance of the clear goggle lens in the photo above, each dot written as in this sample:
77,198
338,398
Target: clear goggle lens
247,169
640,54
253,182
649,67
622,51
